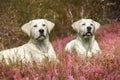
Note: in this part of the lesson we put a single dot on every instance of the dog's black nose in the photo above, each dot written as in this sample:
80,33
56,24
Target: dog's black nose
88,28
41,31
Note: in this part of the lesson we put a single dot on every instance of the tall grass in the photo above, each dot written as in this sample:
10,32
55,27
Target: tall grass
105,66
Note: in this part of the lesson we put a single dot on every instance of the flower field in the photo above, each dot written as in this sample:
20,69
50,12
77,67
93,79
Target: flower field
105,66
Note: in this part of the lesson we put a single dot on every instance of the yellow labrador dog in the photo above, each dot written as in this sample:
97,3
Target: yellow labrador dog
85,43
38,47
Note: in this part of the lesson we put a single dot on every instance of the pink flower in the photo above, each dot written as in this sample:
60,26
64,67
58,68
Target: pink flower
82,78
15,77
27,78
70,77
56,71
36,78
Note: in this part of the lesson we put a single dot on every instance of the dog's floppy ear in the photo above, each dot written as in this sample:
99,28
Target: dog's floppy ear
50,25
97,25
76,26
26,28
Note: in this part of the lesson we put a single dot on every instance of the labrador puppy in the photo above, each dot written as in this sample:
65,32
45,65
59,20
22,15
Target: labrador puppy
38,47
85,43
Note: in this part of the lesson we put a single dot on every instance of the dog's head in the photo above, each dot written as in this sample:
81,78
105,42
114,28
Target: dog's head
38,29
86,27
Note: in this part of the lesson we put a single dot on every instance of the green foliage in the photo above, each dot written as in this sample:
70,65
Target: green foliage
56,10
62,12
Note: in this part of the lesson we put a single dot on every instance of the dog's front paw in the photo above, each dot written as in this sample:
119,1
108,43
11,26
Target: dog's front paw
89,54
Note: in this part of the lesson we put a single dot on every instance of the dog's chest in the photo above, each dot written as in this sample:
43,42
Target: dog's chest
38,49
87,44
43,48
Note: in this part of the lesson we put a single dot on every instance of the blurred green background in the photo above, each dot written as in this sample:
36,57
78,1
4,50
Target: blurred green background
15,13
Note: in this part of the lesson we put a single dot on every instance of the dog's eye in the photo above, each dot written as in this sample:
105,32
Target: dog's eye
91,24
35,26
83,24
43,25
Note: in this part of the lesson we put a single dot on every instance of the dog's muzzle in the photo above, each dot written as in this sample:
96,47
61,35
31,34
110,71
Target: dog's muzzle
87,34
41,37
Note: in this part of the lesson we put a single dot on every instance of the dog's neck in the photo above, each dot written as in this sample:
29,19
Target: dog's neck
86,42
41,45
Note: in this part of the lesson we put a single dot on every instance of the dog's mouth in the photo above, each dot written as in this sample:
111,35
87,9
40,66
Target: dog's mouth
41,37
88,34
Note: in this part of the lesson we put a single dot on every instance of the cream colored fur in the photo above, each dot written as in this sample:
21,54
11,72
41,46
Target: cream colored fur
85,44
38,48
